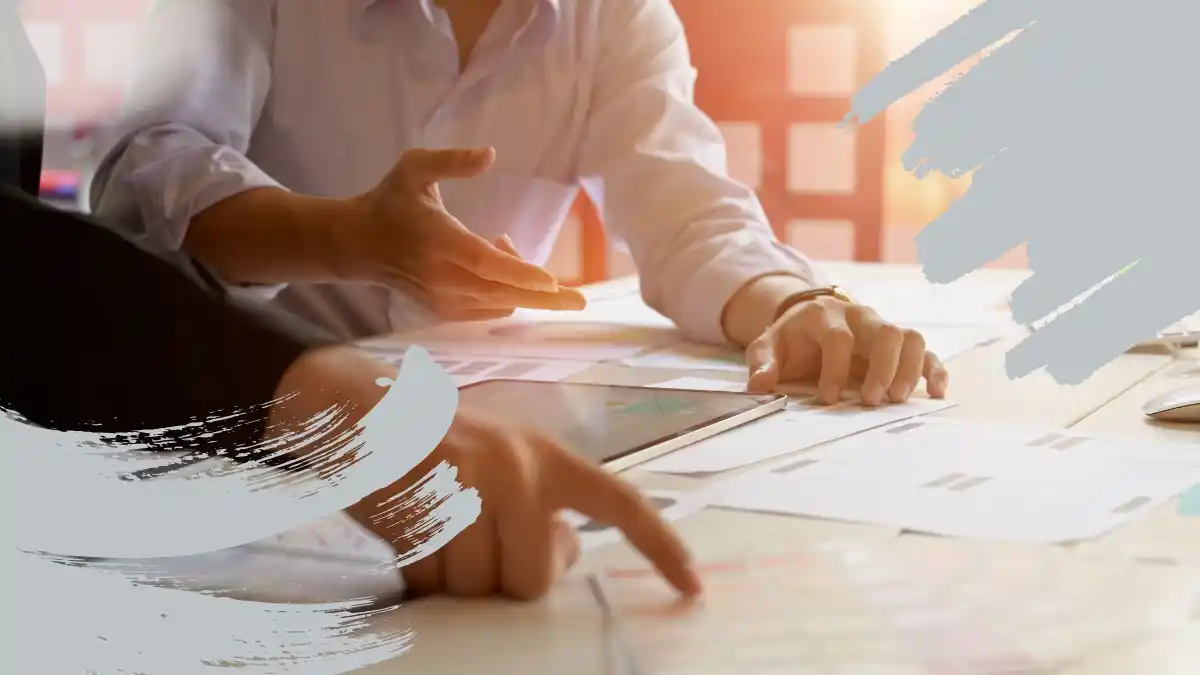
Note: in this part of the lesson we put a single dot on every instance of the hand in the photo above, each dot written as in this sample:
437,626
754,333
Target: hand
409,241
519,546
836,341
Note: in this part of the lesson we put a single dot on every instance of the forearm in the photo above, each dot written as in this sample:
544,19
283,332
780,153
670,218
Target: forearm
272,236
171,188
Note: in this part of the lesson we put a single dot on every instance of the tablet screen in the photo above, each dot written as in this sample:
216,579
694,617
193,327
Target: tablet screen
606,422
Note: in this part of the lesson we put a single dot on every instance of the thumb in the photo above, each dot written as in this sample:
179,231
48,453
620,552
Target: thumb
420,166
762,358
566,547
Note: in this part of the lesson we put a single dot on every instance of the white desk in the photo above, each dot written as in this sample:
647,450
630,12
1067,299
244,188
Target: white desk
553,638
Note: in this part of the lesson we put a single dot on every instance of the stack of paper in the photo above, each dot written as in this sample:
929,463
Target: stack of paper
949,478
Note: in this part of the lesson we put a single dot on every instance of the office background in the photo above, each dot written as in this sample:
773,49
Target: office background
776,75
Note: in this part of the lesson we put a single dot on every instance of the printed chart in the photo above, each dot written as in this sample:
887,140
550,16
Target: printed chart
469,369
991,482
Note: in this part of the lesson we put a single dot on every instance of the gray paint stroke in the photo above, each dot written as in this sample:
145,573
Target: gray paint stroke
1077,126
123,617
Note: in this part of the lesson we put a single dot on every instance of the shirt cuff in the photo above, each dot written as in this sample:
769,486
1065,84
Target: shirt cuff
709,290
170,192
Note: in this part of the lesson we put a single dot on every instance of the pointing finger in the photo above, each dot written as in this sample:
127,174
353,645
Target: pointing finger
590,490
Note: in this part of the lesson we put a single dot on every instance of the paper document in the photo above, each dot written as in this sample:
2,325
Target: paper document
671,505
688,356
921,303
946,477
950,341
945,341
568,335
802,425
625,312
700,384
469,369
905,607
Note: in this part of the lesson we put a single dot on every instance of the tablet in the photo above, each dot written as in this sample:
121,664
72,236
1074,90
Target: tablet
618,426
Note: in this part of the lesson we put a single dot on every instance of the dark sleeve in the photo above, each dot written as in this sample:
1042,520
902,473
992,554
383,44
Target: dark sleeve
102,335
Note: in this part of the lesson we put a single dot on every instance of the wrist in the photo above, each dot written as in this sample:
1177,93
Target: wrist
756,304
339,381
342,379
273,236
333,376
345,240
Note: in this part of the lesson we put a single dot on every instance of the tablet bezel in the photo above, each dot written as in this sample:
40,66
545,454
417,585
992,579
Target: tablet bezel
632,457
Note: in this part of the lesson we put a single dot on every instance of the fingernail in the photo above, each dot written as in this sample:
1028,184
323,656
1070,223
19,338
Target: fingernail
872,395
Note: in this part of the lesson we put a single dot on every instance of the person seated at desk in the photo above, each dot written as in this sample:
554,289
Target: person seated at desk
278,148
103,335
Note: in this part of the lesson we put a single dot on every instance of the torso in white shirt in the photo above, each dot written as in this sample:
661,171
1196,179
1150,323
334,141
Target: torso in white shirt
333,126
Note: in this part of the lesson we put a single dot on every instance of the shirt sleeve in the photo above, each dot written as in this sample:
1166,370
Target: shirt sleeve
200,84
655,164
105,336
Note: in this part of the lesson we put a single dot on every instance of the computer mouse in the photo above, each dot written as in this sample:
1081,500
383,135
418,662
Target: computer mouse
1180,405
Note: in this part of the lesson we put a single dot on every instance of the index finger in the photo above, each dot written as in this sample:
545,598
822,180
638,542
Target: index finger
581,486
476,255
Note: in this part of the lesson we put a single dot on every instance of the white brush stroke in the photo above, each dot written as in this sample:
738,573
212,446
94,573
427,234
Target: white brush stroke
65,498
1076,126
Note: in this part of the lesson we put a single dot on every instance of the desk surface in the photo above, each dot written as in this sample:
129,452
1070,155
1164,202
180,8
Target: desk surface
534,639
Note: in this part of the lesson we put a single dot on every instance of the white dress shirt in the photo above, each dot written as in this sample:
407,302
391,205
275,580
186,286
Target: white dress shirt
322,97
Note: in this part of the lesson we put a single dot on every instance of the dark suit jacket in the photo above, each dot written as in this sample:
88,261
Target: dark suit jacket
97,333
